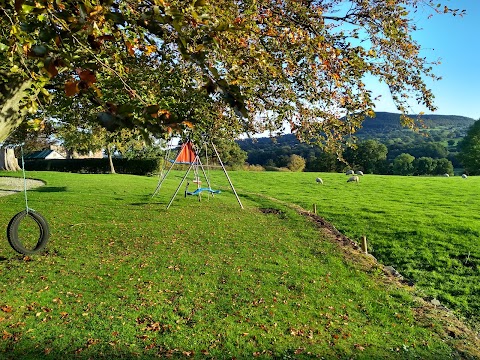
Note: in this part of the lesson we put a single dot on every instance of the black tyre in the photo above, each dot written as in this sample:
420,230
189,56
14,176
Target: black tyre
38,230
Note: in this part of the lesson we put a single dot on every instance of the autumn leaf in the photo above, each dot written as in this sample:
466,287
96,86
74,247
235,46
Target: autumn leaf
150,49
359,347
188,124
51,69
71,88
6,308
87,76
130,48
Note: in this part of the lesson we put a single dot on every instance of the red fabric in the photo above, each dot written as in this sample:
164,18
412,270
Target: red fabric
186,154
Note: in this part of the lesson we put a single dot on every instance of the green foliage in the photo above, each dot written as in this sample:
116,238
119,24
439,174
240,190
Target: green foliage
374,153
367,156
403,164
296,163
229,151
234,60
424,166
443,166
97,166
470,150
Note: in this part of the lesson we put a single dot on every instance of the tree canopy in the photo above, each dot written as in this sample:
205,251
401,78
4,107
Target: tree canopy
225,66
470,150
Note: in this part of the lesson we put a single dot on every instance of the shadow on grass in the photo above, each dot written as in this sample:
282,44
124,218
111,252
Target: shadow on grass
159,352
50,189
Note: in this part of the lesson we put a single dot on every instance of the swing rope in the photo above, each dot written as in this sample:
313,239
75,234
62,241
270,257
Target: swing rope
24,181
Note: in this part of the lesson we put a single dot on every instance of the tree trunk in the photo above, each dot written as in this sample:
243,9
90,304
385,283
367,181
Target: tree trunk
110,160
12,91
8,161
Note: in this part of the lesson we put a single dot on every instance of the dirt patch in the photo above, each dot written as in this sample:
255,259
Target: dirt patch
271,211
11,185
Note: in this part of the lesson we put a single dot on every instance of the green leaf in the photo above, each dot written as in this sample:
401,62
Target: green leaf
3,47
27,9
199,3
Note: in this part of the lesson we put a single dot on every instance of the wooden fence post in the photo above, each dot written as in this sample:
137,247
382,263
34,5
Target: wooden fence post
364,244
315,209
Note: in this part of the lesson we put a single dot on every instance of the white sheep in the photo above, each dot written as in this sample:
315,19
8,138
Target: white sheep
464,176
350,172
359,172
354,179
446,175
319,181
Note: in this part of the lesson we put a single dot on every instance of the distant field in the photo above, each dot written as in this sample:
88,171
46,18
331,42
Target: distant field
124,278
428,228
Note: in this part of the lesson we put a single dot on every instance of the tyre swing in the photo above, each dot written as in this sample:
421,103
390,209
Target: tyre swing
27,231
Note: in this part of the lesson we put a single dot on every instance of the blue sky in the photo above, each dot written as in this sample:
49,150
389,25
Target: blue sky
456,42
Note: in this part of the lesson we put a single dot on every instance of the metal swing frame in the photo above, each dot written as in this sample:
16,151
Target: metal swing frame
197,162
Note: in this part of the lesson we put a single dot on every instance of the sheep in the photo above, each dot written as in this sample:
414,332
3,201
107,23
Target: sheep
350,172
359,172
354,179
446,175
464,176
319,181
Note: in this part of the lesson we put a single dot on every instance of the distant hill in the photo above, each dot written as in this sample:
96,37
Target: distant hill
387,126
385,123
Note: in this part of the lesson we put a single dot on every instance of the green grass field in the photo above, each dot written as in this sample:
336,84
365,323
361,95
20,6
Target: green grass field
124,278
428,228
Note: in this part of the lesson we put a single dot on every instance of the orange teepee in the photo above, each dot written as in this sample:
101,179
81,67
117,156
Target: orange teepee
186,155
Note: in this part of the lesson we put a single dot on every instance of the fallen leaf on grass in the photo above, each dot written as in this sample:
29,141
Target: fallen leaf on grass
359,347
6,308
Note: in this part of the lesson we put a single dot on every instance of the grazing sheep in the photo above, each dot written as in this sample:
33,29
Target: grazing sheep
350,172
446,175
359,172
354,179
319,181
464,176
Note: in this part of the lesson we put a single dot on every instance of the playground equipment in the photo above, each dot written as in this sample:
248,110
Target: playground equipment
188,156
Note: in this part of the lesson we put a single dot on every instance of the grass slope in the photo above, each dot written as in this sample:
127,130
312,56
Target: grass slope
426,227
124,278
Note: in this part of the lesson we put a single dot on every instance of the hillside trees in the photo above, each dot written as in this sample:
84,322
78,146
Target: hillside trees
296,163
368,156
403,164
266,62
470,150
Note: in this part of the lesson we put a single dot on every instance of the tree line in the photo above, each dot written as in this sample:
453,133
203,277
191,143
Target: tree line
425,157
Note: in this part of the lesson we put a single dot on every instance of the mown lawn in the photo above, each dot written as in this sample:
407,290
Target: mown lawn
124,278
428,228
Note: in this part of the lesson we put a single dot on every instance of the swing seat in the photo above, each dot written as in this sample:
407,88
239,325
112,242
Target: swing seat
200,190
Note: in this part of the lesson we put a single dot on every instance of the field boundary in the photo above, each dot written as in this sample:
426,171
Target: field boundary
429,313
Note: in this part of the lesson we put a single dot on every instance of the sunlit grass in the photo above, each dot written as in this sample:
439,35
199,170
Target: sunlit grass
426,227
124,278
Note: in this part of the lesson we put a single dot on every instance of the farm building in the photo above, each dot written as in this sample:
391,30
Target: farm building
44,155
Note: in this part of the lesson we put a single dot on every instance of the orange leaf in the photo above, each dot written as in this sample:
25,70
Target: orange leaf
130,48
164,114
150,49
51,69
71,88
87,75
6,308
188,124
